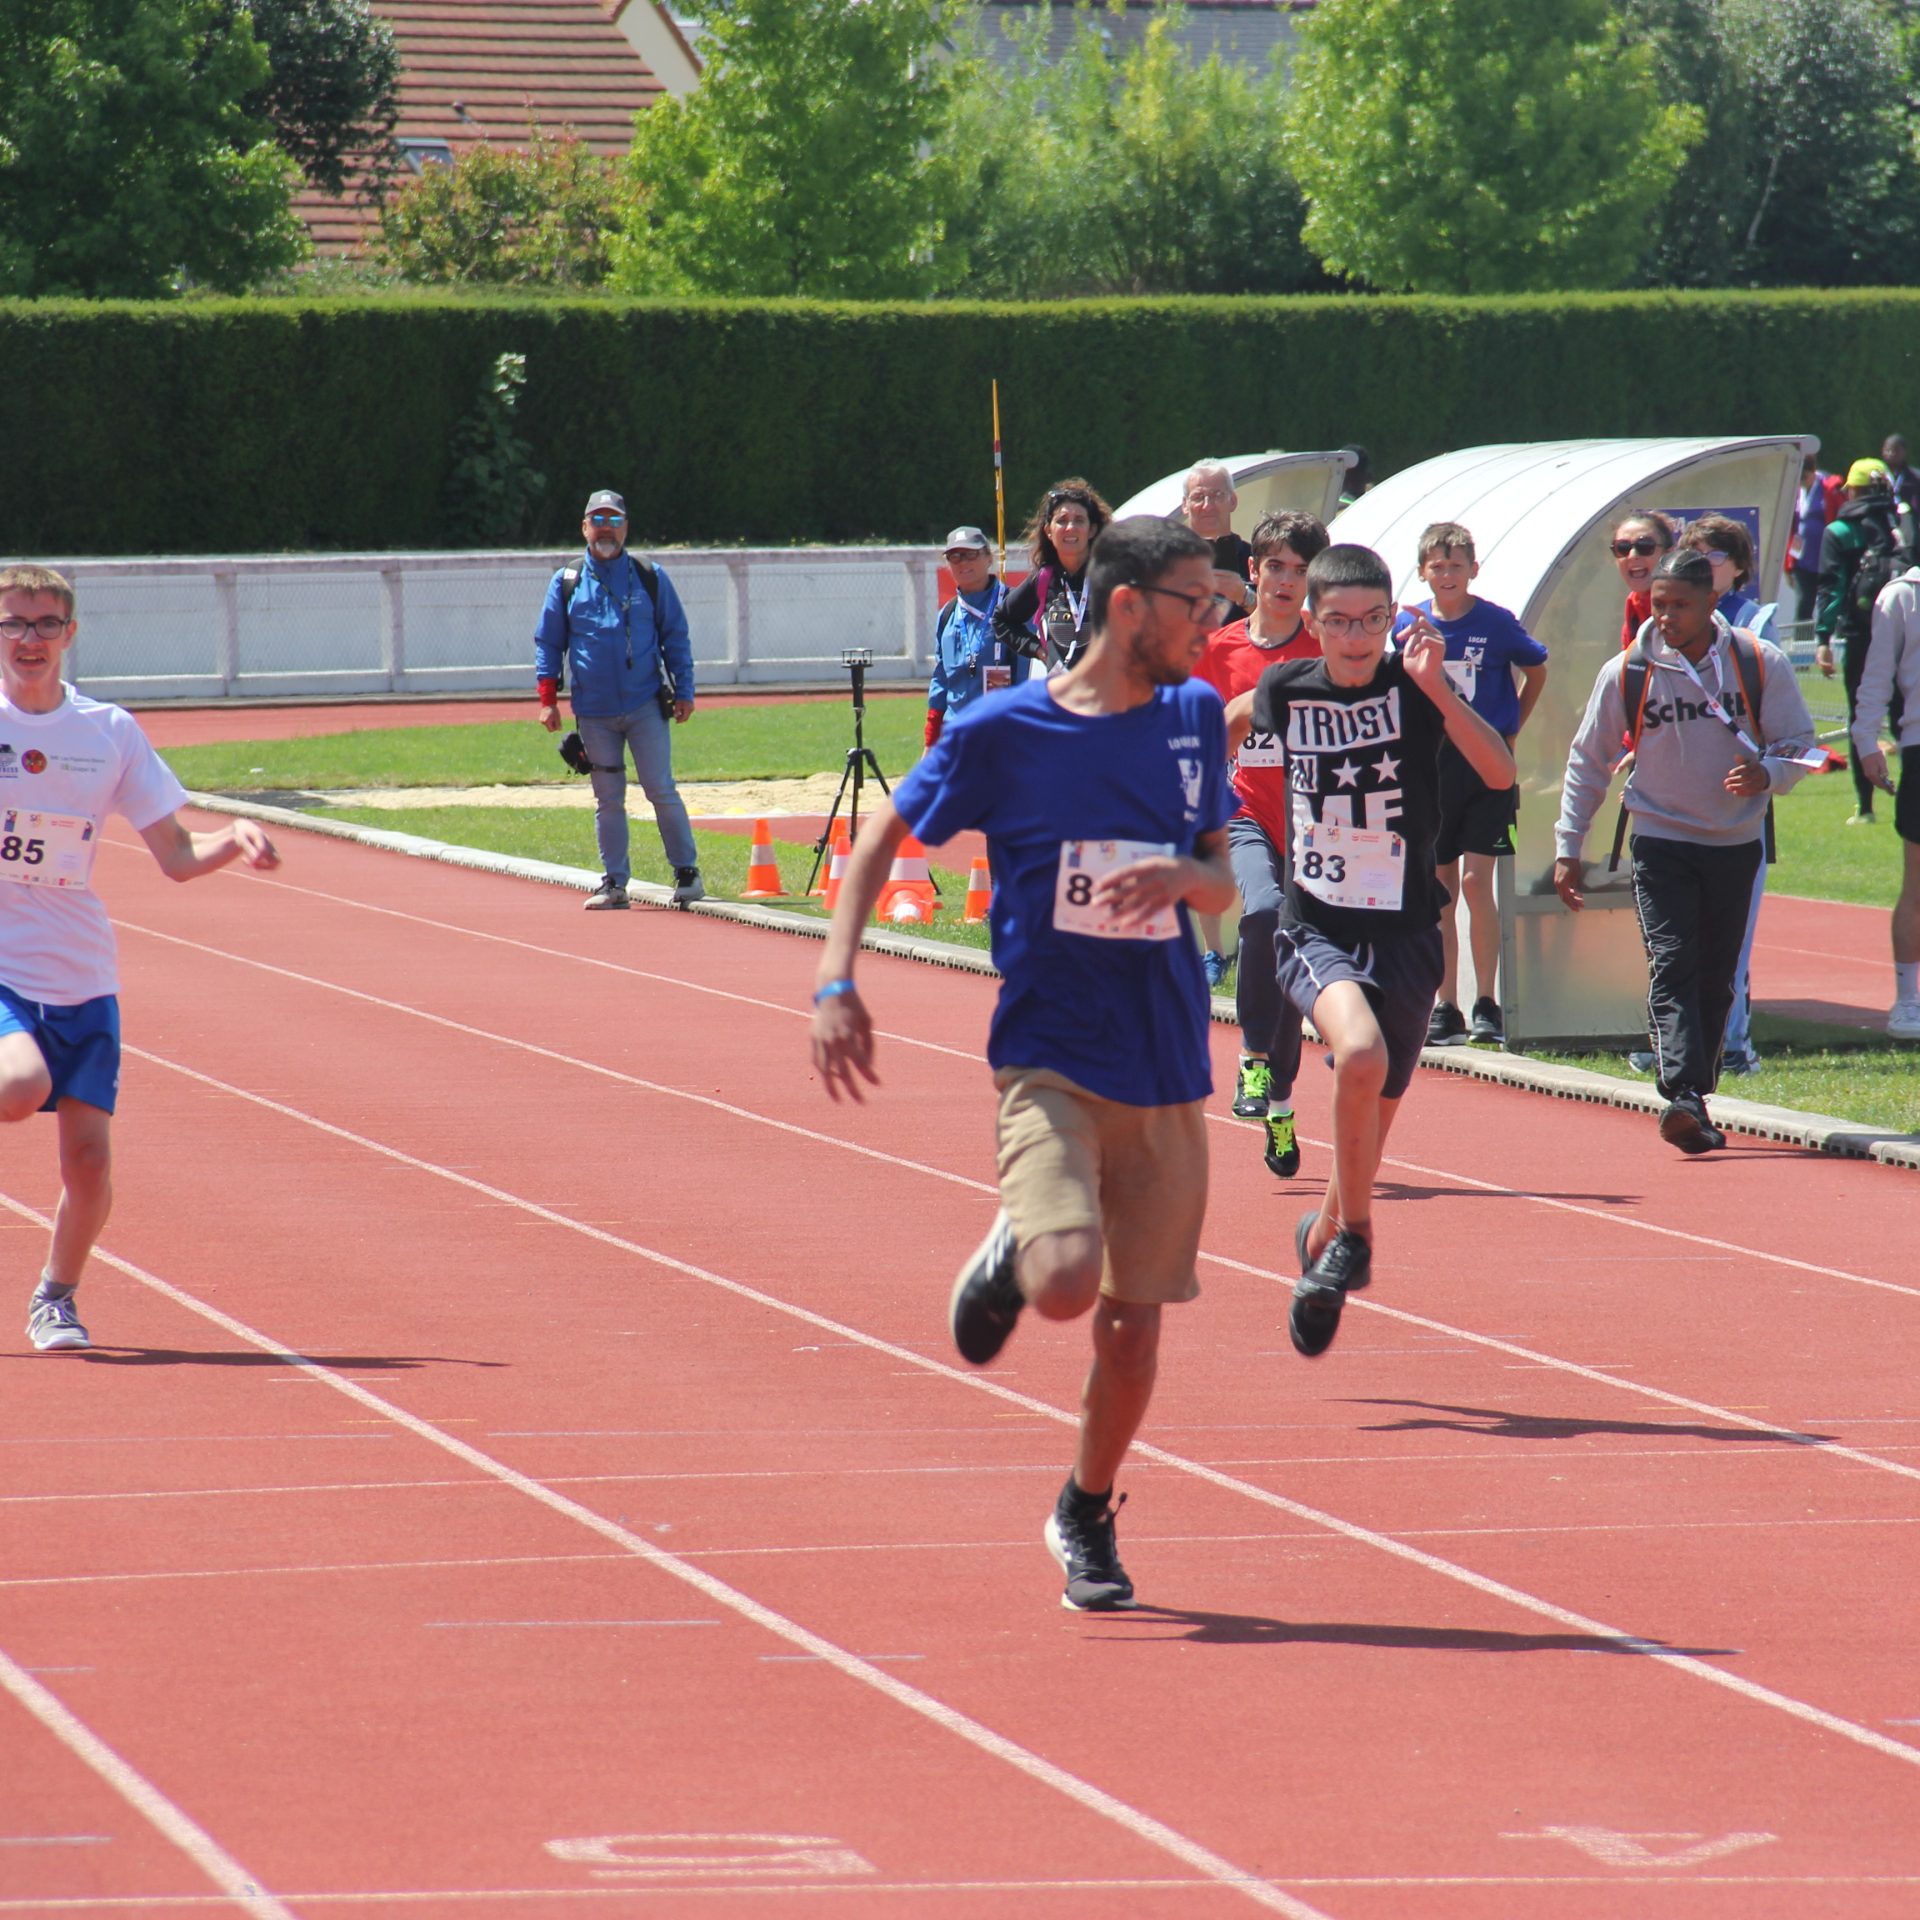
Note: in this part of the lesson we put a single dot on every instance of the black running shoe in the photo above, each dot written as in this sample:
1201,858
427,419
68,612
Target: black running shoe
1486,1023
1283,1148
1083,1544
1252,1086
1445,1026
1345,1264
1356,1281
986,1298
1685,1125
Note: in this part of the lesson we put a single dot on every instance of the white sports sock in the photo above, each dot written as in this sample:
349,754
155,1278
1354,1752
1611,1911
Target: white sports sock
1906,979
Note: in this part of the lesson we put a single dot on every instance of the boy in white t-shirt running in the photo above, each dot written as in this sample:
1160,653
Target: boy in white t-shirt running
66,763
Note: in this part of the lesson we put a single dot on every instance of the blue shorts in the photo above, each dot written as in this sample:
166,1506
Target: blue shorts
81,1045
1399,974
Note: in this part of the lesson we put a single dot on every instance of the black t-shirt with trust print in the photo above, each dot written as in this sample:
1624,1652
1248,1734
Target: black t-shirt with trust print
1363,798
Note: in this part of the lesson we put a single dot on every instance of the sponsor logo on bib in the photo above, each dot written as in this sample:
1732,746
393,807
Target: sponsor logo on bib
34,760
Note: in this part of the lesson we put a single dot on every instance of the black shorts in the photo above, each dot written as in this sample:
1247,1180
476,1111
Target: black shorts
1906,799
1474,817
1399,973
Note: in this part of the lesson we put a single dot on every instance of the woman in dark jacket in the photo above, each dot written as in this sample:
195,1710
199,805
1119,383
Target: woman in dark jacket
1045,617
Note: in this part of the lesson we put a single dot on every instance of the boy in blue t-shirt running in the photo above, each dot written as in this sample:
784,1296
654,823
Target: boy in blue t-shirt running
1103,795
1485,646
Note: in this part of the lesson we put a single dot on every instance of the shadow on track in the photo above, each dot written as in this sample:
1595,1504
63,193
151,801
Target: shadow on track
1496,1423
1256,1630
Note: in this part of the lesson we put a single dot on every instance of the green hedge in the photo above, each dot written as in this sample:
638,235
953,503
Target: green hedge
224,426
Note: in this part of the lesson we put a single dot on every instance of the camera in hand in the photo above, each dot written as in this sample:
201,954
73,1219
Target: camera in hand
574,752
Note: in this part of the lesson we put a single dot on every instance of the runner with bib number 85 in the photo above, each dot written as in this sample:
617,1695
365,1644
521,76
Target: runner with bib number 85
1359,938
66,763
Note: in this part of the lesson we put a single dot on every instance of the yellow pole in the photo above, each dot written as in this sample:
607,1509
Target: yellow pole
999,483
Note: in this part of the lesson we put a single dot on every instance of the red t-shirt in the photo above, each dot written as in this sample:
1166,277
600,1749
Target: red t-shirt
1232,665
1639,612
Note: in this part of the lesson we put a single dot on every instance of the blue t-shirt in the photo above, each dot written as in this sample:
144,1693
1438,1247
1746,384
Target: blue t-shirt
1126,1019
1483,647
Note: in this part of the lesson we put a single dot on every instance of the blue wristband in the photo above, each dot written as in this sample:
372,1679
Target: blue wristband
832,990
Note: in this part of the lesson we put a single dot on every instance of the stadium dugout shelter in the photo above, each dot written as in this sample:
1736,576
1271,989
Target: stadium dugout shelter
1542,517
1266,483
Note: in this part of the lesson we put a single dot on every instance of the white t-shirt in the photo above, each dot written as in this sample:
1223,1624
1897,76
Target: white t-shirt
72,768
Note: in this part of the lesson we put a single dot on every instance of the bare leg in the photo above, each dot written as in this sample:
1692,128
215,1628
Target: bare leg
1343,1015
24,1079
1126,1349
86,1189
1210,932
1906,910
1483,925
1449,877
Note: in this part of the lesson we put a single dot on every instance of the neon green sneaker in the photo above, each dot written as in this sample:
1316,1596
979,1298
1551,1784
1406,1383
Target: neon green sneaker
1283,1150
1253,1088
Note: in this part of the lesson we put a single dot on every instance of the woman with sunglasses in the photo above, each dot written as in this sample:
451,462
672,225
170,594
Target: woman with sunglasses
1639,541
1045,617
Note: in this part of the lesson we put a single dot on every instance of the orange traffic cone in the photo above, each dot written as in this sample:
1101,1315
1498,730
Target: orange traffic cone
837,870
763,871
979,891
908,895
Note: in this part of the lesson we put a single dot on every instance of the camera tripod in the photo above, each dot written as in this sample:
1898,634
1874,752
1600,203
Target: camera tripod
860,763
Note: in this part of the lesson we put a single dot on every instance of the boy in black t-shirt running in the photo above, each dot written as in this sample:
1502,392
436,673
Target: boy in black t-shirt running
1358,943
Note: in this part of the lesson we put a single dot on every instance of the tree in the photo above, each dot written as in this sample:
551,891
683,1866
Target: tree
128,163
1480,146
1074,172
538,216
796,165
333,94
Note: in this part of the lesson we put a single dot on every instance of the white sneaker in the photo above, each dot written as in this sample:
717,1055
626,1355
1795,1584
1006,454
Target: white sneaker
1903,1023
52,1324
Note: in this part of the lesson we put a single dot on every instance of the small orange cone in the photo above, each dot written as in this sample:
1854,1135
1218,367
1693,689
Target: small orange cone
979,892
910,911
763,871
909,881
837,870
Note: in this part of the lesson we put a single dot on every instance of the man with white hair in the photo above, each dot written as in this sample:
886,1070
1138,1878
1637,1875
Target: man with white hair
1207,501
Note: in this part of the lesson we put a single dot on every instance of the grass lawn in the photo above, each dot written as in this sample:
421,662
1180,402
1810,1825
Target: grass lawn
1821,857
721,742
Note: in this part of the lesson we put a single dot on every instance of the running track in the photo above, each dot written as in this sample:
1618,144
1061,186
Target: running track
523,1473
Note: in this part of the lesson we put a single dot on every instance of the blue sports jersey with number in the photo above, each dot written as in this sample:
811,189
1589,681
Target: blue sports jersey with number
1483,647
1126,1018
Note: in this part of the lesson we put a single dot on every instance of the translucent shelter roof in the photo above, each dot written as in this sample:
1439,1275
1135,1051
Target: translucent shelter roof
1266,483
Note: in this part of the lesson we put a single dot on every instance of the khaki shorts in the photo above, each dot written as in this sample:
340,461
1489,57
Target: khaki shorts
1136,1175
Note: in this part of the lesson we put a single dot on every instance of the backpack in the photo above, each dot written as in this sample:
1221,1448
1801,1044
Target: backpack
1880,562
650,579
1636,675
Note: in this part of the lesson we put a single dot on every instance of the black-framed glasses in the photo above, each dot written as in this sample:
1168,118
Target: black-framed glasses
1198,605
1645,547
605,519
50,626
1336,626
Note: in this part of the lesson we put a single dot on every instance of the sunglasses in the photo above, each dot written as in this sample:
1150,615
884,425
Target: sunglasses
607,519
1644,546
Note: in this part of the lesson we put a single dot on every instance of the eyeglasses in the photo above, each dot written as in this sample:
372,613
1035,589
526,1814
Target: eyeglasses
1206,497
1645,546
1198,605
1336,626
1718,555
50,626
607,519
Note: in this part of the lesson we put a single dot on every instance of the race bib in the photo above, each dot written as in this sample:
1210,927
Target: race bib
1350,866
1465,676
996,678
46,849
1262,750
1082,862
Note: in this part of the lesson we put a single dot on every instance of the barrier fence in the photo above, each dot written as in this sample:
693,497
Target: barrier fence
208,628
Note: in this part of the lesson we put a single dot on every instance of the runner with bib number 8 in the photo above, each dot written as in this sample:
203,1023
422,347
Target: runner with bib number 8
1358,944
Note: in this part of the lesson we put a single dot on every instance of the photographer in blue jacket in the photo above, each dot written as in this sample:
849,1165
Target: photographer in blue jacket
623,626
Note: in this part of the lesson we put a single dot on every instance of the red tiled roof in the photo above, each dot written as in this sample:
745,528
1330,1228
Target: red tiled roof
512,65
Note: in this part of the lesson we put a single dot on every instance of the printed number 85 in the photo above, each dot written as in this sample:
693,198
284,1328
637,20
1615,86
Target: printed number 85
27,852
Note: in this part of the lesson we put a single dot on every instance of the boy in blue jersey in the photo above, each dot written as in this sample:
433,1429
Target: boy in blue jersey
1103,795
1486,645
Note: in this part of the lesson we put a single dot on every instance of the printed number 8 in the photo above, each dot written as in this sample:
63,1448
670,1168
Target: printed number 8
1079,889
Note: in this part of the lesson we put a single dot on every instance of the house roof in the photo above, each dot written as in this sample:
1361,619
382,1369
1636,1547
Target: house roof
492,70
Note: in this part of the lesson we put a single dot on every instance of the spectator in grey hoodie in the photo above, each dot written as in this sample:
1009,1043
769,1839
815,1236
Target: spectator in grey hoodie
1891,680
1703,774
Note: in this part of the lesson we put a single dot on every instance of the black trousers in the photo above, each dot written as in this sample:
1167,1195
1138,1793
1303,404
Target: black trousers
1853,663
1692,902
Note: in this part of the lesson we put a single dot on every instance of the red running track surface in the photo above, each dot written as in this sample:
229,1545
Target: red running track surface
523,1472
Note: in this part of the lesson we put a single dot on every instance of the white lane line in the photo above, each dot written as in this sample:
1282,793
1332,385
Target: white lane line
141,1794
1491,1342
1129,1819
55,1839
316,1567
1725,1247
1399,1549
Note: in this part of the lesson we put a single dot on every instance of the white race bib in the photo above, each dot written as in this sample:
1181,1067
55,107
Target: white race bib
1465,677
1350,866
1082,862
1262,750
46,849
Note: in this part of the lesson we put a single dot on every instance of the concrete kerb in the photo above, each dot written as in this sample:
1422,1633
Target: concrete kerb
1819,1133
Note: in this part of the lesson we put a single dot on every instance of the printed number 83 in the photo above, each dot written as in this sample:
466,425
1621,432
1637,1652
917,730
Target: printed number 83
1324,866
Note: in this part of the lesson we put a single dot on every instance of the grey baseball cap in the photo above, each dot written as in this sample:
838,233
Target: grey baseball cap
606,497
967,537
